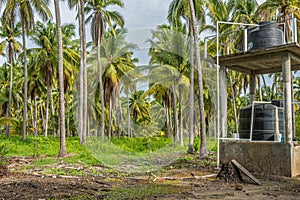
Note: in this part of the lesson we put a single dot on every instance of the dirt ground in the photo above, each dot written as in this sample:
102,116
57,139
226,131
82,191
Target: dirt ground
189,181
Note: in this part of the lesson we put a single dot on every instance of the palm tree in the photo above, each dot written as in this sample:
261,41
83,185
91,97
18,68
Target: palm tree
169,66
178,9
140,108
118,62
9,31
45,59
100,17
26,11
62,150
203,150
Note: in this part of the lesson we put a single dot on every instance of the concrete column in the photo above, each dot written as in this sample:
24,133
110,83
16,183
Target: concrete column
223,102
287,97
253,84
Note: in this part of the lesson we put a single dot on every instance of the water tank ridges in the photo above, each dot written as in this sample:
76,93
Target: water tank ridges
266,118
267,34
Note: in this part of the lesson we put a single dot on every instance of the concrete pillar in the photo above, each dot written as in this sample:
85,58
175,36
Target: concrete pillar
287,97
253,84
223,102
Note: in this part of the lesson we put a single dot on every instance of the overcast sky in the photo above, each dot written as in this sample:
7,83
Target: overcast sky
137,13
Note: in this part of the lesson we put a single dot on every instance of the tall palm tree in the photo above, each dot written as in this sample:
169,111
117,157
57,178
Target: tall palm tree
9,31
203,150
182,9
169,55
26,11
99,18
62,149
82,105
44,55
117,61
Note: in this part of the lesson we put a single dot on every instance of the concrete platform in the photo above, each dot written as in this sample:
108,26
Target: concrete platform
260,157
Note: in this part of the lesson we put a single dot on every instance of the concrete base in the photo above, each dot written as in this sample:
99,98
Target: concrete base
267,158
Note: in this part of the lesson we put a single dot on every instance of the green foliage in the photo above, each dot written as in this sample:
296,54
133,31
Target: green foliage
3,153
141,144
211,144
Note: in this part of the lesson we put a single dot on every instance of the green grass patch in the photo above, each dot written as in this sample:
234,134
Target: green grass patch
141,144
48,148
141,191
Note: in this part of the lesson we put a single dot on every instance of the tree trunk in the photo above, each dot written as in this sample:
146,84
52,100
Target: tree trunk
128,117
259,89
191,97
9,97
62,150
169,126
52,115
67,113
110,119
81,96
47,111
265,86
120,130
35,116
180,117
42,115
102,134
83,49
176,136
25,116
234,104
203,150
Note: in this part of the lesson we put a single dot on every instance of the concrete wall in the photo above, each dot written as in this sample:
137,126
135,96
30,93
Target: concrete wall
269,158
296,160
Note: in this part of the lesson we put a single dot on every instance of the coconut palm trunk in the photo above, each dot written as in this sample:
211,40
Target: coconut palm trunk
25,86
191,97
10,90
83,49
203,150
35,115
47,111
80,103
180,117
62,150
234,104
176,136
100,30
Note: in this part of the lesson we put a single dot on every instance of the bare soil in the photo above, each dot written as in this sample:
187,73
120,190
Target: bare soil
187,180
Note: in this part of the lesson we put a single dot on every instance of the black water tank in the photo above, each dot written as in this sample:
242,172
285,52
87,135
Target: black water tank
266,116
267,34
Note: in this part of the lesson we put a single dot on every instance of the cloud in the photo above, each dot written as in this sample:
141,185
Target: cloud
144,13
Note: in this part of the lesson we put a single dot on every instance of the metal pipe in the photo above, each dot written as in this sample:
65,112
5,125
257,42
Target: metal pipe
245,40
218,99
295,33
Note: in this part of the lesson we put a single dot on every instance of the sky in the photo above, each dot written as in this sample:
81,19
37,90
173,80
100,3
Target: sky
141,16
138,14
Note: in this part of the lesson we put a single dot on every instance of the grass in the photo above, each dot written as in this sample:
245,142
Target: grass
47,149
141,144
125,154
141,191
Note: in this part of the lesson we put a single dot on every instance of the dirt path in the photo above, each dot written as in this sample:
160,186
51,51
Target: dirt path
189,182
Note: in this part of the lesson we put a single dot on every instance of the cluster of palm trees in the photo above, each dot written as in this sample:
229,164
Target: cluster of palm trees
72,87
